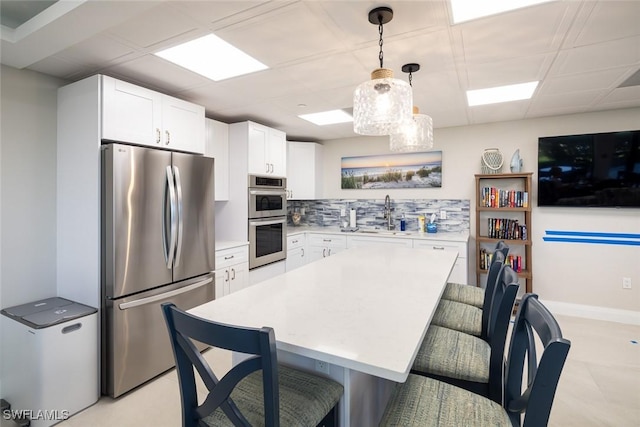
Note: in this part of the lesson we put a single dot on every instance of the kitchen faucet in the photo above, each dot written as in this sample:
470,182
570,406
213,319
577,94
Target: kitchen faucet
387,213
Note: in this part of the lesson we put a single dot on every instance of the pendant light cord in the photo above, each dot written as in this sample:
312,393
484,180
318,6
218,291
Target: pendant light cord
380,55
410,78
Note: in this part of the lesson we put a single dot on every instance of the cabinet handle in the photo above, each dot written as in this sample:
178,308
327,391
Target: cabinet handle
168,137
267,165
323,253
233,270
229,257
226,275
438,248
329,251
326,240
157,135
302,250
294,241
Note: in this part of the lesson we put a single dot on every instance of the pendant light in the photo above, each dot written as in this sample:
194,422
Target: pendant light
416,133
382,103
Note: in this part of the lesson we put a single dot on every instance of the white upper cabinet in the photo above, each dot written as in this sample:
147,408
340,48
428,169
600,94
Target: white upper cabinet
304,170
142,116
267,153
217,146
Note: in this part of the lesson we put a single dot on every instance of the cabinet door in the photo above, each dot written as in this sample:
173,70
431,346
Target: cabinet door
296,258
222,282
238,277
217,146
183,125
303,169
317,252
130,113
277,152
257,149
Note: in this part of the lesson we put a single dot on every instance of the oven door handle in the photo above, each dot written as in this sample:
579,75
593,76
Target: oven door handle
268,192
267,222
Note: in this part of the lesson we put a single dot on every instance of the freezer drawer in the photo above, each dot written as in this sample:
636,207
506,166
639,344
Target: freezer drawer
137,346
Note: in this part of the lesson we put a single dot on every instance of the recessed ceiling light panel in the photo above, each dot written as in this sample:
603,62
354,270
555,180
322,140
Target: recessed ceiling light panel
212,57
466,10
499,94
328,117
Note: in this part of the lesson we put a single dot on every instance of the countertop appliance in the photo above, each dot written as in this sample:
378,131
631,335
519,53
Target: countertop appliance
267,220
157,246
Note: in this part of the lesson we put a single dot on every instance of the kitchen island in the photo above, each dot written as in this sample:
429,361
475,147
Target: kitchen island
358,317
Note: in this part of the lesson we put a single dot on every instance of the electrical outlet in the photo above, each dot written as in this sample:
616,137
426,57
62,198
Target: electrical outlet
443,214
626,283
343,212
302,211
322,366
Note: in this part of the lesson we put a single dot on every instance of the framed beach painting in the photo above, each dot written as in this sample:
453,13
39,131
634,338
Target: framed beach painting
406,170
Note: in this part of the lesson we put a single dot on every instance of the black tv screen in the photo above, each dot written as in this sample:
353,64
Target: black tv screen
589,170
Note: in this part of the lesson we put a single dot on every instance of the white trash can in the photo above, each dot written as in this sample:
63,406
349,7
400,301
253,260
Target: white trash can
50,359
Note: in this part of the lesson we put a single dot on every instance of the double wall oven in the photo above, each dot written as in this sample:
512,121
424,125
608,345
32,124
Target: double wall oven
267,220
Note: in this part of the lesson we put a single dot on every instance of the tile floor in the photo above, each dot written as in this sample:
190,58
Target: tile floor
599,387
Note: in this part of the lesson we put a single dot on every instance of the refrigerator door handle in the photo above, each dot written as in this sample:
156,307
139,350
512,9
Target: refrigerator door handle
176,173
170,249
159,297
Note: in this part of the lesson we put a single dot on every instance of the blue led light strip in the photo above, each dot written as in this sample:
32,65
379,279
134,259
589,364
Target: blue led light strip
627,239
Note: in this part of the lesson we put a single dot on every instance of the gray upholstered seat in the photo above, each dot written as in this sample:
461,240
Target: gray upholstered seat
426,402
257,391
454,354
305,399
468,294
468,361
467,318
458,316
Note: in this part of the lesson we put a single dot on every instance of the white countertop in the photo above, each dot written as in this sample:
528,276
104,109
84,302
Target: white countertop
365,309
462,236
226,244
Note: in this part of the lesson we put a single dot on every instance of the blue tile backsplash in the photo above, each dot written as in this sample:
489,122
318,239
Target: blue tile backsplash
370,212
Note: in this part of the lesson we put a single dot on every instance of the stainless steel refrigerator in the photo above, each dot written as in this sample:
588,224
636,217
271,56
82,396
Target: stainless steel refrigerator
157,246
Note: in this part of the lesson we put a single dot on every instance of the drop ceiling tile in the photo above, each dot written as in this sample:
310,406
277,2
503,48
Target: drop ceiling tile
509,71
56,66
352,19
515,110
156,26
223,10
622,98
156,73
283,35
544,105
617,53
610,20
515,34
320,74
96,50
601,79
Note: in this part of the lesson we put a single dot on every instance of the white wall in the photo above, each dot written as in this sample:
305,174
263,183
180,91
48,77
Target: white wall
584,274
27,187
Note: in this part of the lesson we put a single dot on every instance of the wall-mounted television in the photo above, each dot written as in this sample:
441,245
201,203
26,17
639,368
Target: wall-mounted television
590,170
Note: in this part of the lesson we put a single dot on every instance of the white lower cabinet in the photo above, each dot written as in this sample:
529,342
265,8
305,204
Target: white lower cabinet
296,251
459,274
323,245
232,270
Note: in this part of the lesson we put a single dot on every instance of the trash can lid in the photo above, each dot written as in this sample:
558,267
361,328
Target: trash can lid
48,312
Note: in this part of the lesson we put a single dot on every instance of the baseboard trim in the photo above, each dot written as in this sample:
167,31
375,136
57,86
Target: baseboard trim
594,312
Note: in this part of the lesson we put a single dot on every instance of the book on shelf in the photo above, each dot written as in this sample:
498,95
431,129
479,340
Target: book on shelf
492,197
505,228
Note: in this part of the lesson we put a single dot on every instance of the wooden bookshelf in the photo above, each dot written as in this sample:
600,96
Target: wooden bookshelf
506,199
